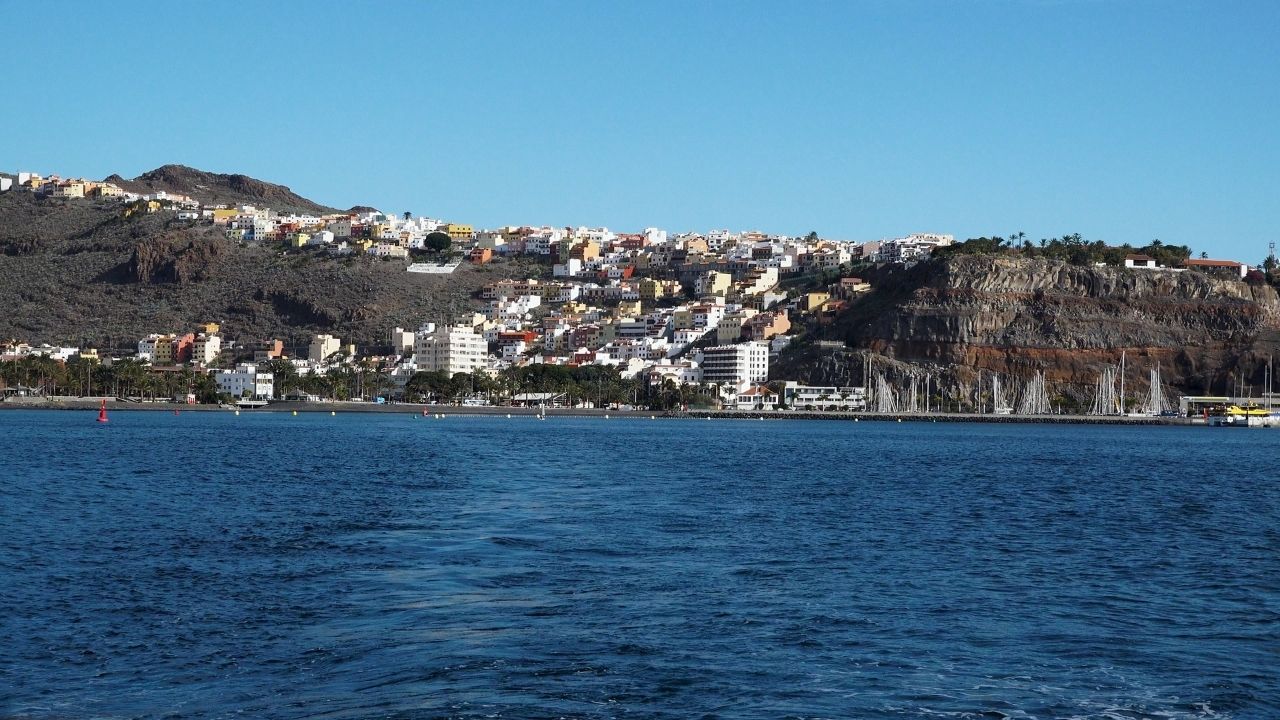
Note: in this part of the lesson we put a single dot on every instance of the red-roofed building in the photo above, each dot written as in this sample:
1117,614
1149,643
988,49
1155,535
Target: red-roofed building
1209,265
756,397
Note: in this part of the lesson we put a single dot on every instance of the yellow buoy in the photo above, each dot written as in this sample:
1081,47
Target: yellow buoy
295,412
332,412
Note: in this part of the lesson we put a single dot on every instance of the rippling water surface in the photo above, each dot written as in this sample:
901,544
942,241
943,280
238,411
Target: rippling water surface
270,566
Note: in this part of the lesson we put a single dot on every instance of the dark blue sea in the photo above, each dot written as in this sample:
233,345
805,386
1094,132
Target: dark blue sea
389,566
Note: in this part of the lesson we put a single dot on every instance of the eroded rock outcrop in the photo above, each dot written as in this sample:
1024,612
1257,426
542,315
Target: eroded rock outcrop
1016,316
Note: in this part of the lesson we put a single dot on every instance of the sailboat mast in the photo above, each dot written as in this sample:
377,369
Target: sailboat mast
1122,382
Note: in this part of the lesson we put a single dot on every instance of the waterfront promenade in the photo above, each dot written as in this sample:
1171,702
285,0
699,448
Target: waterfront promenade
114,405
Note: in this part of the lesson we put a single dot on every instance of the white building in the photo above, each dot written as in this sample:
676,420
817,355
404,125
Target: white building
680,372
812,397
912,247
736,364
323,346
402,340
147,347
756,397
5,184
455,349
244,381
206,348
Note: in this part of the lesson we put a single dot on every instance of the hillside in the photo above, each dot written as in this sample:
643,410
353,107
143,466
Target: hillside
214,188
77,272
1016,316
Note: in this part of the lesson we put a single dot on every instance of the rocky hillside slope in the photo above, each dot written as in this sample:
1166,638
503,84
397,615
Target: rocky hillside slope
1015,316
215,189
77,272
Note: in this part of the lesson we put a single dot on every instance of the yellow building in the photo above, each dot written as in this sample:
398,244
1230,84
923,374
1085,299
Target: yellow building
299,239
106,190
222,217
210,328
714,283
629,308
69,190
652,290
814,300
459,232
166,345
585,250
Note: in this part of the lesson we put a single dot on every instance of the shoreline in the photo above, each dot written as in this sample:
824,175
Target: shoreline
83,404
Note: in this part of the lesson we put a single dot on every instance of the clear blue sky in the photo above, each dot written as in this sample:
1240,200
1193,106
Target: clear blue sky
1123,121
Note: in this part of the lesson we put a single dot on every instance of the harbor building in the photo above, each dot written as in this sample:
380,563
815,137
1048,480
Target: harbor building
736,364
246,381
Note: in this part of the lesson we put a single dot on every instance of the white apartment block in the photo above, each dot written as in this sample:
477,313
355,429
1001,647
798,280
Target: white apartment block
244,381
206,348
455,349
736,364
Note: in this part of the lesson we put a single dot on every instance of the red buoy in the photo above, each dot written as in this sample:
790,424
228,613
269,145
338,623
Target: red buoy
102,412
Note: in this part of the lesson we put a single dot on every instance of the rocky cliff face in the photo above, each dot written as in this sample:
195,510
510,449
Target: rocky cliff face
1015,316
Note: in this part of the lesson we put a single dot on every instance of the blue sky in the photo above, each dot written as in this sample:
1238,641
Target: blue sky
1123,121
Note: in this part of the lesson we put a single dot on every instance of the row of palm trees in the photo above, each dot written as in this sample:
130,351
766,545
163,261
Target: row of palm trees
130,378
354,381
122,378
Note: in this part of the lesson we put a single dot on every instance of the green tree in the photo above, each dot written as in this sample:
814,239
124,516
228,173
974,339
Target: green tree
284,376
437,241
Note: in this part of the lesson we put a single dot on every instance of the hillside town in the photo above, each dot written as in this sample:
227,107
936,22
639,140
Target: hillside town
644,319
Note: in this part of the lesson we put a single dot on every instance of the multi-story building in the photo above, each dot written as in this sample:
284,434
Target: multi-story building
454,349
729,327
245,381
459,232
402,340
205,348
322,347
147,347
736,364
178,350
766,325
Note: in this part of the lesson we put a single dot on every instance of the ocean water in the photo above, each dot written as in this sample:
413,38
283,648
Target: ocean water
388,566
